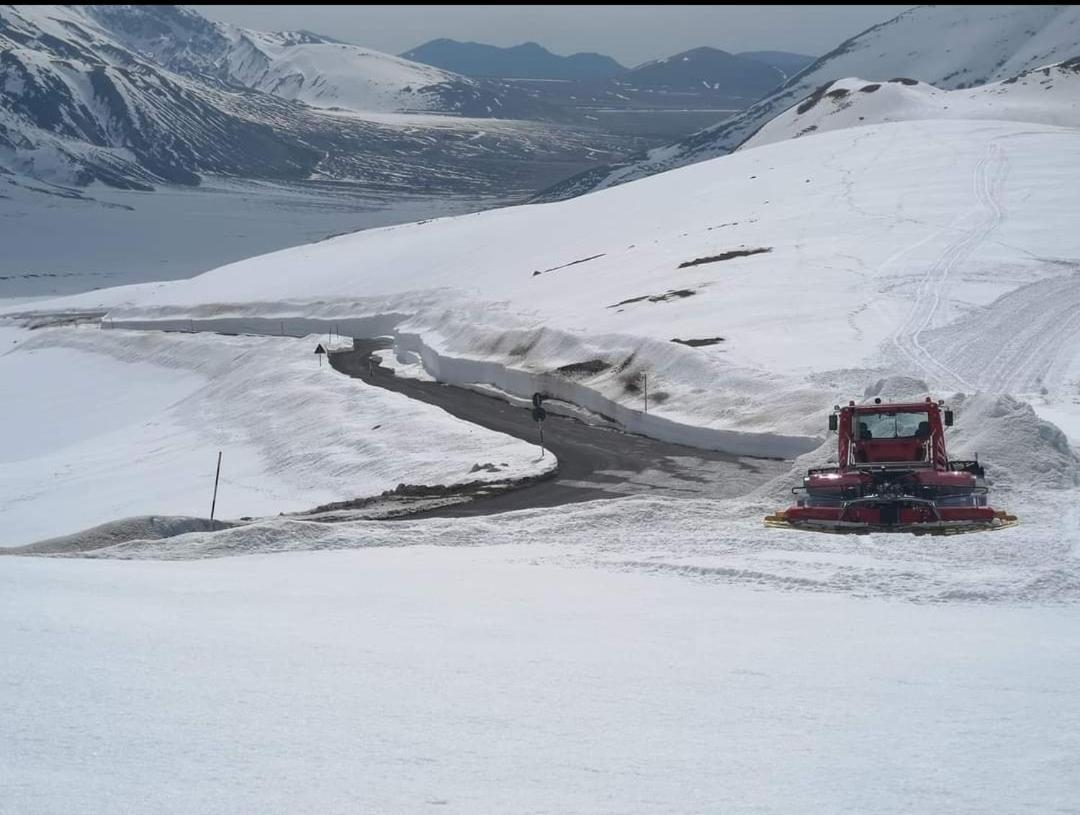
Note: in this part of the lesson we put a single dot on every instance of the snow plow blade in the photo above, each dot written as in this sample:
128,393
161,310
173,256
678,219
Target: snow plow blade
1000,520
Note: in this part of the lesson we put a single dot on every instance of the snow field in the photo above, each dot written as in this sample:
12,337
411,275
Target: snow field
481,681
117,423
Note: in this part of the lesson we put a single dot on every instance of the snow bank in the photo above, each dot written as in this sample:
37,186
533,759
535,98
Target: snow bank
115,423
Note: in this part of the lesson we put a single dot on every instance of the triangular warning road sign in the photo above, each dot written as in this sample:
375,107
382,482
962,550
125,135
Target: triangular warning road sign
319,349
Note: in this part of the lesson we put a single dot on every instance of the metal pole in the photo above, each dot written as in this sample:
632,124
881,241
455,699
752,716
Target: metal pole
645,376
540,425
213,504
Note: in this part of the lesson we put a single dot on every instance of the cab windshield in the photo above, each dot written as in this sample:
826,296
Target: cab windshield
892,425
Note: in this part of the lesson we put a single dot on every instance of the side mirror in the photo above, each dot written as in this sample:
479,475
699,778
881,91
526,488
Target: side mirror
948,418
833,424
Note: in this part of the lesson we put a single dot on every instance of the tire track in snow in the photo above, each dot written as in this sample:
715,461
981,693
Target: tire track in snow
987,181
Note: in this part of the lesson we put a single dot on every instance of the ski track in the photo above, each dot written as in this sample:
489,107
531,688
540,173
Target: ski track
987,181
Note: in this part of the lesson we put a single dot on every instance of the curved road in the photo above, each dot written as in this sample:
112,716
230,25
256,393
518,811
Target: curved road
594,462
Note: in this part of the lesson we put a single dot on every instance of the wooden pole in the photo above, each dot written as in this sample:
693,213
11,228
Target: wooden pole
213,504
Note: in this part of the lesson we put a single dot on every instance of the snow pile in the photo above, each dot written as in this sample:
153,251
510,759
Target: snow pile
1049,95
114,533
113,424
1021,451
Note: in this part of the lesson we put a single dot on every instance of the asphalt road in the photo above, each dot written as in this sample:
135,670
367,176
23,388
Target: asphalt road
595,462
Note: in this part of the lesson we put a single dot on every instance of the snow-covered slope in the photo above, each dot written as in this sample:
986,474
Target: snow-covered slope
328,74
113,424
300,65
1049,95
802,272
946,46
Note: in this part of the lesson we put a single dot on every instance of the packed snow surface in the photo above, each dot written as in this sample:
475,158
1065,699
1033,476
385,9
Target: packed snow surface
502,679
104,425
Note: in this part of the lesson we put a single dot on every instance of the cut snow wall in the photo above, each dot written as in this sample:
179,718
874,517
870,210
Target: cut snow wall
459,370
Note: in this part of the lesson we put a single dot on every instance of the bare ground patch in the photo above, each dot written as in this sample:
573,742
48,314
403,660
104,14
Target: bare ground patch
734,253
673,294
700,342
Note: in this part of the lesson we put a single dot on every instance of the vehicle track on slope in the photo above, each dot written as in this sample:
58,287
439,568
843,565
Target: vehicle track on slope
594,462
1023,341
987,181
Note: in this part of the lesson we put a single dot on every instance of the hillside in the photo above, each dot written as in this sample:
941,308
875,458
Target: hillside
803,270
1048,95
710,68
132,96
784,61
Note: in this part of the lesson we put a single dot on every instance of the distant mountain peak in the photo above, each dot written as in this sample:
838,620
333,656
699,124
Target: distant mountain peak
528,60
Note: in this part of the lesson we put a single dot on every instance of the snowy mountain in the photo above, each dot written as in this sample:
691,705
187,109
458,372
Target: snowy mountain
946,46
300,65
526,61
710,68
133,95
1049,95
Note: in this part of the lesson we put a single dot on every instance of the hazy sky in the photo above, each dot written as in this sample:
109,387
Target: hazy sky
631,34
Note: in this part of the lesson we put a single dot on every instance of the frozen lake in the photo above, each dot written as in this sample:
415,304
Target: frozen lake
59,241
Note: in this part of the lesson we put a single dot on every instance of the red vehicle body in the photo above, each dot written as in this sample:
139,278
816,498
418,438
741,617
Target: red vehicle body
893,475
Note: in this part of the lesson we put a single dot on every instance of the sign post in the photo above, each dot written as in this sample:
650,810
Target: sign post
645,383
539,414
213,504
320,352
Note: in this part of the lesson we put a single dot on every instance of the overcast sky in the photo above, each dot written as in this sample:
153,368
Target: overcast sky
631,34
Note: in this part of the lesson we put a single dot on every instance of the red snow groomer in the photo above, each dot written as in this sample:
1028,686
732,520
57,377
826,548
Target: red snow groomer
893,476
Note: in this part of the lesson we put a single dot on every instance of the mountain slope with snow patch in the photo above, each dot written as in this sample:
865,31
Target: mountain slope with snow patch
946,46
137,95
